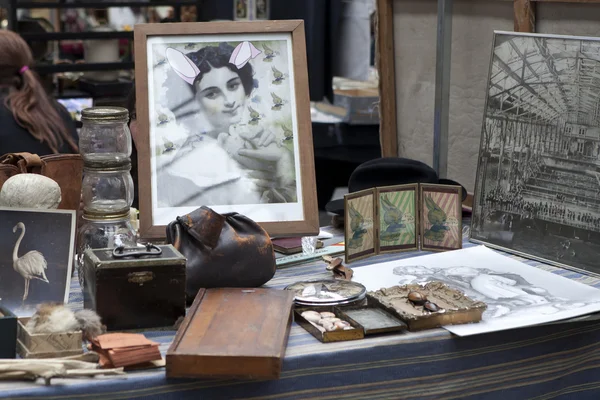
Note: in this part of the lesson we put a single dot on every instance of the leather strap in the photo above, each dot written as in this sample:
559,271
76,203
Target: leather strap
204,225
174,234
31,160
25,161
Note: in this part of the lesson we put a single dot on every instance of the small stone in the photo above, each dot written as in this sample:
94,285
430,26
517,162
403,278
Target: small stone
417,298
342,324
329,326
429,306
311,316
320,328
328,321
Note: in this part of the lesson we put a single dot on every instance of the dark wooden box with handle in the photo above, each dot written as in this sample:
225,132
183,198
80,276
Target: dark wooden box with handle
135,288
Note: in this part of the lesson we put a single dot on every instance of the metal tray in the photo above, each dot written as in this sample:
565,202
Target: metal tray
373,319
328,292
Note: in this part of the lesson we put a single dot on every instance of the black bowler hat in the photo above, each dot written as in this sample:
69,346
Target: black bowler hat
389,171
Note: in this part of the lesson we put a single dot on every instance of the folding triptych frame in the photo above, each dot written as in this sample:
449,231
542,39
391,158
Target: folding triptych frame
402,218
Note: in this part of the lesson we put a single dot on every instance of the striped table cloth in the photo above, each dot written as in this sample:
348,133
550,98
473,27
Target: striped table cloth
560,360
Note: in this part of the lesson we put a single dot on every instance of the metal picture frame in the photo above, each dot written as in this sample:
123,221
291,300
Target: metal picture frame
536,193
235,138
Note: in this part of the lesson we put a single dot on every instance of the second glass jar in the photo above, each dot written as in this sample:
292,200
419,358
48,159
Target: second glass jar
107,187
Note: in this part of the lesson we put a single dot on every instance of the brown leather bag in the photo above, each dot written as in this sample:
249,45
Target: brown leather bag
64,169
222,250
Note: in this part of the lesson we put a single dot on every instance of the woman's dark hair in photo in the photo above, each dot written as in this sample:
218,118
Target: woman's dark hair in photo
211,57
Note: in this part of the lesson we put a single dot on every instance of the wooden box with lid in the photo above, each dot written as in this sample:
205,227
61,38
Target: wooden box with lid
135,288
232,333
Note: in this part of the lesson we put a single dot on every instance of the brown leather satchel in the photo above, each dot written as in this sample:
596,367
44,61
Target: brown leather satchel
222,250
64,169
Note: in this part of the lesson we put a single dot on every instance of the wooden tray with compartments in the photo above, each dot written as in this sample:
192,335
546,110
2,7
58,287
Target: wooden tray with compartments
363,320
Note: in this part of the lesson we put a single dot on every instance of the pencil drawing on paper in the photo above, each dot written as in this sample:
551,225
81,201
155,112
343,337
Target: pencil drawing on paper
516,294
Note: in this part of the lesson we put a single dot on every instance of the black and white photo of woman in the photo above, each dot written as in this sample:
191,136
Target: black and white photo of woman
219,139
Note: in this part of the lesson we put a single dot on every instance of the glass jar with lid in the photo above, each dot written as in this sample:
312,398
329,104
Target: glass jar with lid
104,134
103,230
107,186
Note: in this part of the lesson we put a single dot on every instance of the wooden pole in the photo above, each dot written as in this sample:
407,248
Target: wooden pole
388,134
524,16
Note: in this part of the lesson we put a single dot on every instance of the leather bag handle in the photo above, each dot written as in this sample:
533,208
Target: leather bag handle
24,161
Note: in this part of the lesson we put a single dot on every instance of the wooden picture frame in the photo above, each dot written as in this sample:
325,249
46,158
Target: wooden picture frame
397,218
440,217
200,140
360,225
261,9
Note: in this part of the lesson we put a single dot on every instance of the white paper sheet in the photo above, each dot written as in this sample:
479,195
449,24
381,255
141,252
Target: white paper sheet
324,235
517,294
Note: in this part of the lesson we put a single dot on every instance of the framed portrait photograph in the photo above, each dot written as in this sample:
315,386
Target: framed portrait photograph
36,257
440,217
360,222
397,213
224,115
537,188
241,10
261,8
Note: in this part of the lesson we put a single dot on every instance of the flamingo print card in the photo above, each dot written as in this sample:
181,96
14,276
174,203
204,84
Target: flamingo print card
397,214
360,224
441,217
36,257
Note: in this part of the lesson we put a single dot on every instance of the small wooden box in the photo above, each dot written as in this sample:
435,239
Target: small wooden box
232,333
327,337
135,292
455,307
47,345
8,333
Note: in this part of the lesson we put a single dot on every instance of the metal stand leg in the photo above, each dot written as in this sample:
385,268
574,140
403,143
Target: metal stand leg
442,87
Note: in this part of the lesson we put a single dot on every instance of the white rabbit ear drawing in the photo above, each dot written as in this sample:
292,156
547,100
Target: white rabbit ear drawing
243,53
182,65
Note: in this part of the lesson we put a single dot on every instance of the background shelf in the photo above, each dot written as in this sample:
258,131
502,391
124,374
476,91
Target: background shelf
62,39
99,4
